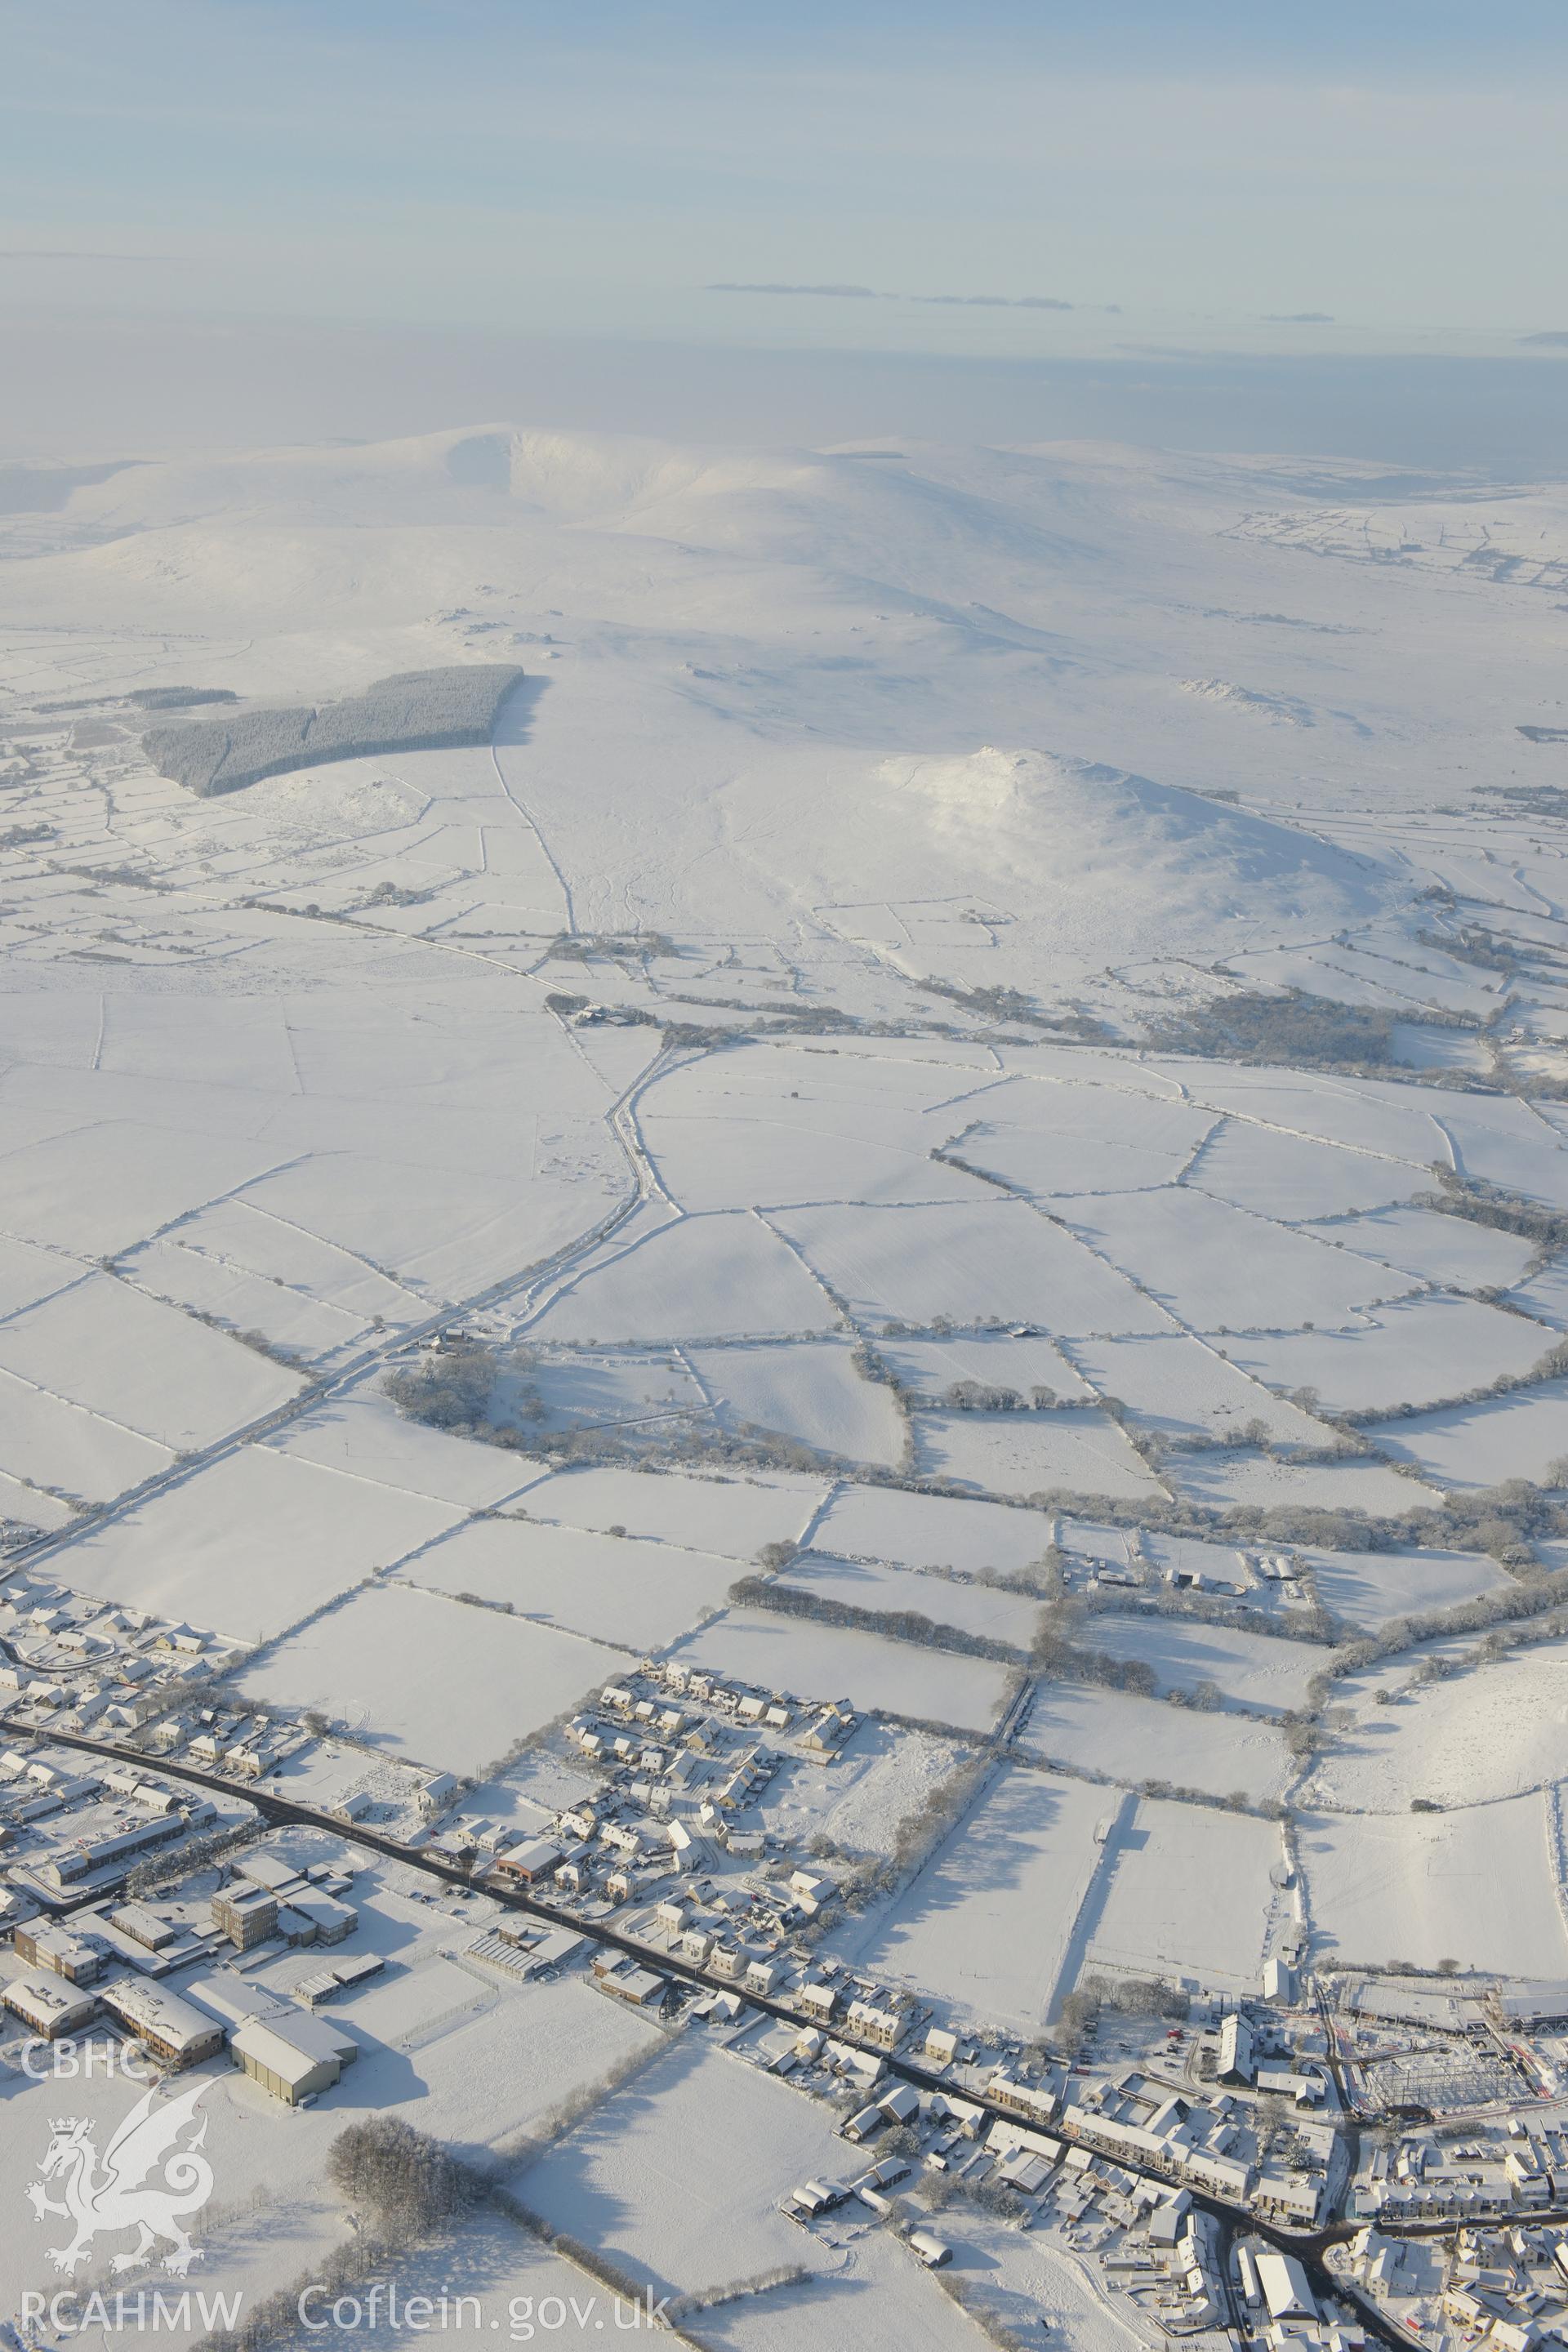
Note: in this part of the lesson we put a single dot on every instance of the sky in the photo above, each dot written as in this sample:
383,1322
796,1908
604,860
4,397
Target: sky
1139,182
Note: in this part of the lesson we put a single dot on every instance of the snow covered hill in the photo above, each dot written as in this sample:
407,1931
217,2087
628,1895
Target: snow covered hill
762,683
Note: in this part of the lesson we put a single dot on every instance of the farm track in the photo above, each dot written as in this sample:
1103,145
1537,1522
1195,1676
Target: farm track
620,1119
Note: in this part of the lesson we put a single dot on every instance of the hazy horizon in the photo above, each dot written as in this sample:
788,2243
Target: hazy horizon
86,389
1267,214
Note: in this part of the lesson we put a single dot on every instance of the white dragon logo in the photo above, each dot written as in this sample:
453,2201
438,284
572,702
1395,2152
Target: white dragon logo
119,2194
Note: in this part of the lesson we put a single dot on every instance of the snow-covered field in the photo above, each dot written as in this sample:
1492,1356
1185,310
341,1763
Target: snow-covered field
1265,1482
360,1433
1370,1588
949,1600
255,1543
715,1513
1412,1353
1132,1739
1030,1453
620,1588
1476,1886
1219,1268
931,1531
927,1368
886,1774
430,1677
810,1392
989,1922
1440,1249
994,1258
140,1365
878,2299
680,2174
1247,1670
1491,1732
719,1276
1186,1885
1183,1388
1520,1436
1293,1177
810,1661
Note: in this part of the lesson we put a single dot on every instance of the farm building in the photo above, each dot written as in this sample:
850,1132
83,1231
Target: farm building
293,2057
